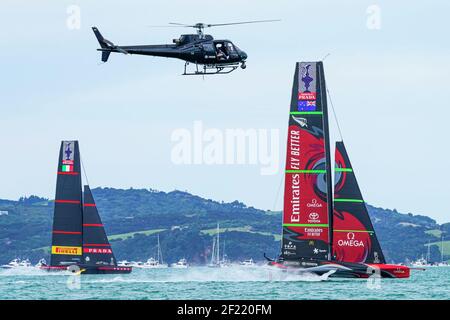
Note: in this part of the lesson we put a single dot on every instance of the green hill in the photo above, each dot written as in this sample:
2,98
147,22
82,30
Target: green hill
187,223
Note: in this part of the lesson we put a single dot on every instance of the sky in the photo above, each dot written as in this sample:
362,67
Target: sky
386,66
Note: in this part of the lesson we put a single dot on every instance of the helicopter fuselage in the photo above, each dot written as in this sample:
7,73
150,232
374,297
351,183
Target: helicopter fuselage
190,48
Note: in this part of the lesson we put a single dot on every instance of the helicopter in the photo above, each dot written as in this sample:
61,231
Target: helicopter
213,56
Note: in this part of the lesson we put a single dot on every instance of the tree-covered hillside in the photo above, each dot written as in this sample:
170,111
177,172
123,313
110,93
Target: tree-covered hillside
186,225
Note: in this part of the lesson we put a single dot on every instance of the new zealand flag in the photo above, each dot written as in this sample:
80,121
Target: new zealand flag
306,105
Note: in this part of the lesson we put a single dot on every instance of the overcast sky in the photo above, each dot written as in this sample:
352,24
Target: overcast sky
388,81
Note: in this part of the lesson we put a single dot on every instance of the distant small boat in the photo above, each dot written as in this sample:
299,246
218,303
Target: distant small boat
181,264
421,262
135,264
124,263
25,264
151,263
15,263
41,263
248,263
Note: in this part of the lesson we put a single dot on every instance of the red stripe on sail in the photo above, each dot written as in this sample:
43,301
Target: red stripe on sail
66,232
89,205
68,173
92,225
68,201
96,245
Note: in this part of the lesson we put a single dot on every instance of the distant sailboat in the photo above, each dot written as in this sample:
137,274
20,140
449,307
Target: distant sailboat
78,239
322,232
225,262
215,253
442,263
423,261
153,263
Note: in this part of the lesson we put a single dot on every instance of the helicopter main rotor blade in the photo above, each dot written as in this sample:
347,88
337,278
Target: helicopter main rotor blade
200,26
243,22
165,26
181,24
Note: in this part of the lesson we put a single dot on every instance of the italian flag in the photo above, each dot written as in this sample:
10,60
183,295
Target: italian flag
67,168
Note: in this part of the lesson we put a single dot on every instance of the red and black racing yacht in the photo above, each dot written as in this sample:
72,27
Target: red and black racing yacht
79,241
323,230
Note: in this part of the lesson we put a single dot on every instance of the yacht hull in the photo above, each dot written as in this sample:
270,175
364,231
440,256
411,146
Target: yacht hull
344,269
90,269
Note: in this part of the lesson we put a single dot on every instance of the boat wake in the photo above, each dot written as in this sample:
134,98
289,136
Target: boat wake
30,271
204,274
193,274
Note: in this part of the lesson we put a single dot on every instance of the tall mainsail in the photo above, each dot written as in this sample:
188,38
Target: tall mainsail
307,195
96,248
354,236
67,218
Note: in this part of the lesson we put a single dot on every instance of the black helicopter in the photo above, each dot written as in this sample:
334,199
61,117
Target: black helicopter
216,56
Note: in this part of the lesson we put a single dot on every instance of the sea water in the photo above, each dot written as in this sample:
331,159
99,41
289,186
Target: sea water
236,282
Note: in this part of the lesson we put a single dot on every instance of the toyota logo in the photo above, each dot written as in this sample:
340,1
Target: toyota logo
314,216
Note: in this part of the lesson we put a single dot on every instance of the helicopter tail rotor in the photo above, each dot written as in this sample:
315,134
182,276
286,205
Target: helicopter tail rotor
106,46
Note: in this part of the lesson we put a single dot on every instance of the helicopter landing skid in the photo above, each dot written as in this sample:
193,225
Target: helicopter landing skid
210,69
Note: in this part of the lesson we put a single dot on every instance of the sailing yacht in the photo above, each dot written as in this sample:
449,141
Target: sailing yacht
225,262
442,263
215,253
324,232
79,240
153,263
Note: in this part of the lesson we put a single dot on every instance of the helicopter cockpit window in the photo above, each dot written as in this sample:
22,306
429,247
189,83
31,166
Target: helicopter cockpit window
209,48
221,51
230,47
